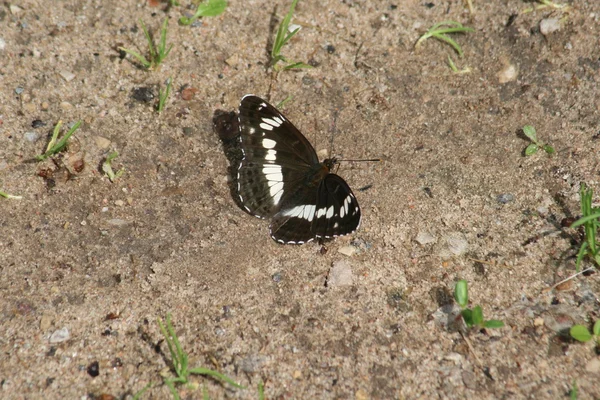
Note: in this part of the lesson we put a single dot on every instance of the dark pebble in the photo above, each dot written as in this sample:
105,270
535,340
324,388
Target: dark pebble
505,198
93,369
143,94
37,123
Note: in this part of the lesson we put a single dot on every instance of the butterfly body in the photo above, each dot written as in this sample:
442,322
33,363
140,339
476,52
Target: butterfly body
280,177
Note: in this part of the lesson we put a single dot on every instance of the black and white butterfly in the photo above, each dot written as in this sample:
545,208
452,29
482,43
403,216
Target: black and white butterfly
280,177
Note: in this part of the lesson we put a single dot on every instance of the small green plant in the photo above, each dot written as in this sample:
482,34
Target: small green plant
440,30
162,96
472,317
54,146
107,167
210,8
139,394
180,361
582,334
455,69
157,53
283,36
574,392
529,131
9,196
589,220
546,4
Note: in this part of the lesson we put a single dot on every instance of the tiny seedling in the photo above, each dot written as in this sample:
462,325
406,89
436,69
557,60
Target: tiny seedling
261,390
107,167
162,96
589,220
529,131
472,317
546,4
157,53
9,196
574,392
282,103
54,146
455,69
180,361
582,334
283,36
440,30
210,8
139,394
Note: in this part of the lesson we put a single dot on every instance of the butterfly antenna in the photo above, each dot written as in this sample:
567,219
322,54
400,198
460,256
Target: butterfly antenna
361,160
333,130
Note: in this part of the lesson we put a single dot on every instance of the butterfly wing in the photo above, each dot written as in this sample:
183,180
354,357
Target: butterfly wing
326,211
276,158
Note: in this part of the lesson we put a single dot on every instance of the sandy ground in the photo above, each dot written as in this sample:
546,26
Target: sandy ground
87,266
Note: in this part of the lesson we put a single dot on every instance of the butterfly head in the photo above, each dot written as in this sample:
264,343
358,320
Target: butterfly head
329,163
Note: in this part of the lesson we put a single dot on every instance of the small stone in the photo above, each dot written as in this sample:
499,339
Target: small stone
29,107
424,238
188,93
67,75
509,73
538,321
347,250
45,322
340,274
93,369
457,243
45,106
361,395
31,136
19,90
593,366
119,203
14,9
297,374
61,335
233,60
2,44
469,380
549,25
505,198
65,105
117,222
102,142
277,277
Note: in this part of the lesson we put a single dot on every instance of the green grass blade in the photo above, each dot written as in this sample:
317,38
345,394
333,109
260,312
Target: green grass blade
261,390
297,65
451,42
139,393
137,56
57,147
215,374
150,43
9,196
54,136
580,254
493,324
584,220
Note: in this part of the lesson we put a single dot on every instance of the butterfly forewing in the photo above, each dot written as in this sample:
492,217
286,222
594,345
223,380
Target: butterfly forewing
280,177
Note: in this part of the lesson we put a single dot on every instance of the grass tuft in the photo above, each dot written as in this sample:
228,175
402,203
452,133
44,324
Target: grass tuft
284,35
107,167
590,215
162,96
440,30
54,146
157,52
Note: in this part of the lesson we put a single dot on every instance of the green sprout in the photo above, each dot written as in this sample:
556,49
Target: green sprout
54,146
454,69
162,96
107,167
283,102
284,36
180,361
589,220
157,53
582,334
210,8
261,390
139,394
546,4
574,392
440,30
472,317
529,131
9,196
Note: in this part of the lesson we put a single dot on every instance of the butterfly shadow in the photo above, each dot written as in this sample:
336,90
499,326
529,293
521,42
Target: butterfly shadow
226,126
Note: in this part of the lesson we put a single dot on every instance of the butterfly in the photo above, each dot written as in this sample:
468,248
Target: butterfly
280,178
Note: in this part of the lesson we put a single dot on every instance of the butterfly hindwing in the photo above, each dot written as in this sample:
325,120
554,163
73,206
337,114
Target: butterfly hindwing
337,212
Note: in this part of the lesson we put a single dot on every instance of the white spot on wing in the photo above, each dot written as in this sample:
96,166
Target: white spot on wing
271,154
329,212
268,143
271,122
266,127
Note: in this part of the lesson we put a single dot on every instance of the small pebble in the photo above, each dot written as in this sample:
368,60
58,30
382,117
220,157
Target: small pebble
93,369
549,25
45,106
38,123
424,238
45,322
14,9
117,222
505,198
233,60
593,366
61,335
457,243
67,75
102,142
509,73
31,136
340,274
277,277
65,105
119,203
19,90
2,44
347,250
